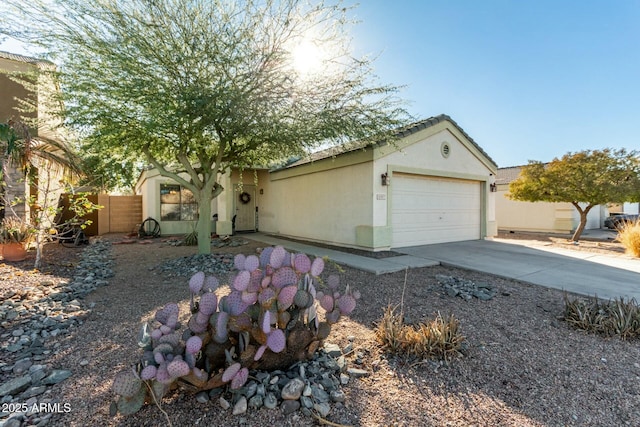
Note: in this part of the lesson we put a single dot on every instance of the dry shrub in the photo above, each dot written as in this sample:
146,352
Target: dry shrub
616,317
439,338
629,236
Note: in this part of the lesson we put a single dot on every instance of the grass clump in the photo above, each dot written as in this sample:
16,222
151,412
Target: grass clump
629,236
439,338
618,317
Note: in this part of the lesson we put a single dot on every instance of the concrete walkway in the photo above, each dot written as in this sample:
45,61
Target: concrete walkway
372,265
587,273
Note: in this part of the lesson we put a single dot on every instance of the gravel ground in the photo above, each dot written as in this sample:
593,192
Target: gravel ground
522,365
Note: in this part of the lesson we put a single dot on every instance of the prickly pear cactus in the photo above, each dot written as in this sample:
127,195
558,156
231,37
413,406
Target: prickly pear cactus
269,320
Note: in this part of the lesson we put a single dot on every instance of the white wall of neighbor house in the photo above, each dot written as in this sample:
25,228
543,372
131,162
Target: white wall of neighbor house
630,208
513,215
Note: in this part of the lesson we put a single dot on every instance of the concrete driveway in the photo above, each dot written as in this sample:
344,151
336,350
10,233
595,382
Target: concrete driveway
587,273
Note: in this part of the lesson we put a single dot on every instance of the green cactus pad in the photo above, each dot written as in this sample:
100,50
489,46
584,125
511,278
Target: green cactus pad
131,405
126,383
159,389
303,299
323,330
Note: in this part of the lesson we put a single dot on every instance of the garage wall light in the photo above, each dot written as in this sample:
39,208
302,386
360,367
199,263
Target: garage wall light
385,179
493,187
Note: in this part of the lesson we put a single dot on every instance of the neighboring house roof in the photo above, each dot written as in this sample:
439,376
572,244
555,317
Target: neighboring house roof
506,175
400,133
25,59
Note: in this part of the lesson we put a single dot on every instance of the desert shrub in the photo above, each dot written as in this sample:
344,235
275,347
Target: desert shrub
191,238
629,236
438,338
616,317
269,321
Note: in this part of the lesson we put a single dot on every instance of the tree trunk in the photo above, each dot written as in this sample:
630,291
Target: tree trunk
583,221
39,244
204,225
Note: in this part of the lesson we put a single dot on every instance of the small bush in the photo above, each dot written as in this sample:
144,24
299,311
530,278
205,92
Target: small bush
629,236
191,239
439,338
617,317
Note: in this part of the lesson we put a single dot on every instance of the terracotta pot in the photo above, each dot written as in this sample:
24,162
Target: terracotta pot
13,252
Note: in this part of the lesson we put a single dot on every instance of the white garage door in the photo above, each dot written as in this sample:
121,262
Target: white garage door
428,210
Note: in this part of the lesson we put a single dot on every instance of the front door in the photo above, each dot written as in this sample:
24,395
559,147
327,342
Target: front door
245,202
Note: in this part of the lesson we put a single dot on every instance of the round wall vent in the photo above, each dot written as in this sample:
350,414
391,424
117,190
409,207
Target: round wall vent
445,149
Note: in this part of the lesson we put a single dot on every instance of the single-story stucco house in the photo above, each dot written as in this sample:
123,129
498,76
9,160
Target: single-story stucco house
545,217
431,186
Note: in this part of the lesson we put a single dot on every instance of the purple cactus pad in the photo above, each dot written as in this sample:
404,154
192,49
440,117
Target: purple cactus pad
252,263
240,379
277,257
276,341
196,282
211,283
238,261
193,344
302,263
208,303
241,281
148,373
231,372
317,267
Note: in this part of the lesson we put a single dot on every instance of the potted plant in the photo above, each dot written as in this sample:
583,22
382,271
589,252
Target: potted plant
15,236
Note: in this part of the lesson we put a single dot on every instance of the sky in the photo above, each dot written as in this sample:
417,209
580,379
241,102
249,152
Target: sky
527,80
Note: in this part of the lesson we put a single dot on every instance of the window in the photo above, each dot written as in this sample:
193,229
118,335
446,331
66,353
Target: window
177,203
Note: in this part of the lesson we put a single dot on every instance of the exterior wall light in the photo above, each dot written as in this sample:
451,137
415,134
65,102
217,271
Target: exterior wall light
386,180
493,187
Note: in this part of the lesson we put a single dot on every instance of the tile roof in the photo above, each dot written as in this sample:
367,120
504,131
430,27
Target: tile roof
400,133
506,175
25,59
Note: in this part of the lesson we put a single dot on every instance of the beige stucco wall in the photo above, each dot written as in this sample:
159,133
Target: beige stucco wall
323,205
148,187
514,215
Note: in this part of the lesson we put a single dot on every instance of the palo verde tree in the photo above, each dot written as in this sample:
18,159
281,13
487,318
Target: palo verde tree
585,179
196,87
